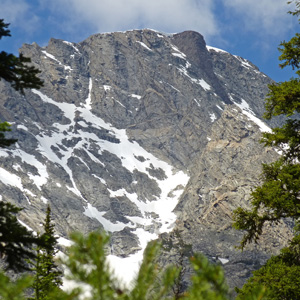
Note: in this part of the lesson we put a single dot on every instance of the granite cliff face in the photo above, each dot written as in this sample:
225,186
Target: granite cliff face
139,133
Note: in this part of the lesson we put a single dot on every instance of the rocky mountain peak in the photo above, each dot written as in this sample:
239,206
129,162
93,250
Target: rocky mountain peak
139,133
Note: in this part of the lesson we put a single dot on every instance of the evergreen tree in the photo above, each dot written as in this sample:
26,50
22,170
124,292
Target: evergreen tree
278,195
87,264
15,69
47,276
181,253
280,275
15,240
5,142
13,290
18,72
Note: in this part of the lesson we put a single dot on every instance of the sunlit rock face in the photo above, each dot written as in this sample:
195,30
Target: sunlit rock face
139,133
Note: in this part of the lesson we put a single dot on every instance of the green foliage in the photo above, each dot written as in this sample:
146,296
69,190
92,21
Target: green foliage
208,283
47,277
88,268
181,254
4,142
87,265
297,10
275,199
278,195
280,274
152,282
16,70
282,98
285,139
10,290
15,240
18,73
3,29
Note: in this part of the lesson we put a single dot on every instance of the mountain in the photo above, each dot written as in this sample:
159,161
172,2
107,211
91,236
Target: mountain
139,133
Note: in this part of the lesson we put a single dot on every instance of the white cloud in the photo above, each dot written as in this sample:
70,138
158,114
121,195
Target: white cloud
266,16
19,14
163,15
12,10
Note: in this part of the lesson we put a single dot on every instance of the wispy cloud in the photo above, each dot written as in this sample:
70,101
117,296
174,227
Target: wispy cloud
19,14
80,18
163,15
265,16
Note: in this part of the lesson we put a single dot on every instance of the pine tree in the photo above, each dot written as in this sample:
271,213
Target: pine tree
13,290
278,196
15,240
280,275
47,276
18,72
181,253
5,142
87,265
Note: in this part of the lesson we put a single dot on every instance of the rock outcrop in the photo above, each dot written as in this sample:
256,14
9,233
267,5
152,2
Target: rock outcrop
139,133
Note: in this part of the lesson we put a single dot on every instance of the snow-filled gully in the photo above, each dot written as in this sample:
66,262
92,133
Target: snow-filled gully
171,187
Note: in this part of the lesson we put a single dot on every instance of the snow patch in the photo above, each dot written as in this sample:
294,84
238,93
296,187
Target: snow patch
178,51
26,226
88,101
223,260
127,268
10,179
53,58
93,213
17,167
44,200
204,84
181,55
209,48
42,178
72,45
136,96
22,127
120,103
29,193
197,102
144,45
107,88
171,186
64,242
3,153
244,62
212,117
244,106
201,82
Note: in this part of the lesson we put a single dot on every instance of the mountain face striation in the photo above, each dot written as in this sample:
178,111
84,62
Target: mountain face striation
140,133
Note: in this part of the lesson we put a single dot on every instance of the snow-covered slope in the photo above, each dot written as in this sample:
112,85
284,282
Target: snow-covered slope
137,133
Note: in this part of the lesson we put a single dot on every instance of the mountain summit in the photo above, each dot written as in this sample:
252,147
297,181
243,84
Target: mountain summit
139,133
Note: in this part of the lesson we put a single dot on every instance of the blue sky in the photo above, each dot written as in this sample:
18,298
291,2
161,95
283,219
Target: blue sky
252,29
